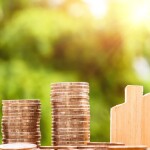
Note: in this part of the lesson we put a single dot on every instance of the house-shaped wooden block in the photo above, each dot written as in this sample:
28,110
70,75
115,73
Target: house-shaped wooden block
130,121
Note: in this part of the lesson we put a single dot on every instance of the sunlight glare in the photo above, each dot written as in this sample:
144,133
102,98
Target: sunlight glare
141,13
97,7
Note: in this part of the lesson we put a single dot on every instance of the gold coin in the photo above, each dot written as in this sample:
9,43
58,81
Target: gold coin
105,144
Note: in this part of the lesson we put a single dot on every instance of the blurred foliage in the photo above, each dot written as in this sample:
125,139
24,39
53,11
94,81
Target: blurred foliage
41,43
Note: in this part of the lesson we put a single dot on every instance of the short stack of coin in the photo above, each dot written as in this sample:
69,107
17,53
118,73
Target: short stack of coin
21,121
70,113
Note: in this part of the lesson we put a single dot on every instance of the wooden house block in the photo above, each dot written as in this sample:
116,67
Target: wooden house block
130,121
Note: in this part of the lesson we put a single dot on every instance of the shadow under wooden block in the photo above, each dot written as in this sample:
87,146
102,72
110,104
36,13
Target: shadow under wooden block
127,148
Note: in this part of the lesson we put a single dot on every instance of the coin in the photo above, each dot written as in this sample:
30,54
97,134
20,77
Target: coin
60,102
21,137
80,123
85,96
82,110
20,130
64,107
69,138
76,98
73,119
22,114
72,90
76,117
73,129
26,108
69,113
20,127
5,120
20,117
77,103
63,94
55,142
20,111
22,133
20,140
17,146
71,126
58,147
71,134
20,123
69,83
72,109
22,101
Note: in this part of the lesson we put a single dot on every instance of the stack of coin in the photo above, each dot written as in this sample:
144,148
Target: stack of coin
21,121
70,113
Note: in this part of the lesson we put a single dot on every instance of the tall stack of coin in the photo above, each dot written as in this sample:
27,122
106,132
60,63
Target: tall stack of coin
21,121
70,113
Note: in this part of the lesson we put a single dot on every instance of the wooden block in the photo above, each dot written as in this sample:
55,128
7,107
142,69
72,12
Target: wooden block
145,125
126,118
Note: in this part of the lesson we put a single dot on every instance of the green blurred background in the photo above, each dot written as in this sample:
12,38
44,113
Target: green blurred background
103,42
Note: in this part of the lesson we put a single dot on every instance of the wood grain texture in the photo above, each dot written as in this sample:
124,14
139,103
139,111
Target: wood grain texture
130,120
